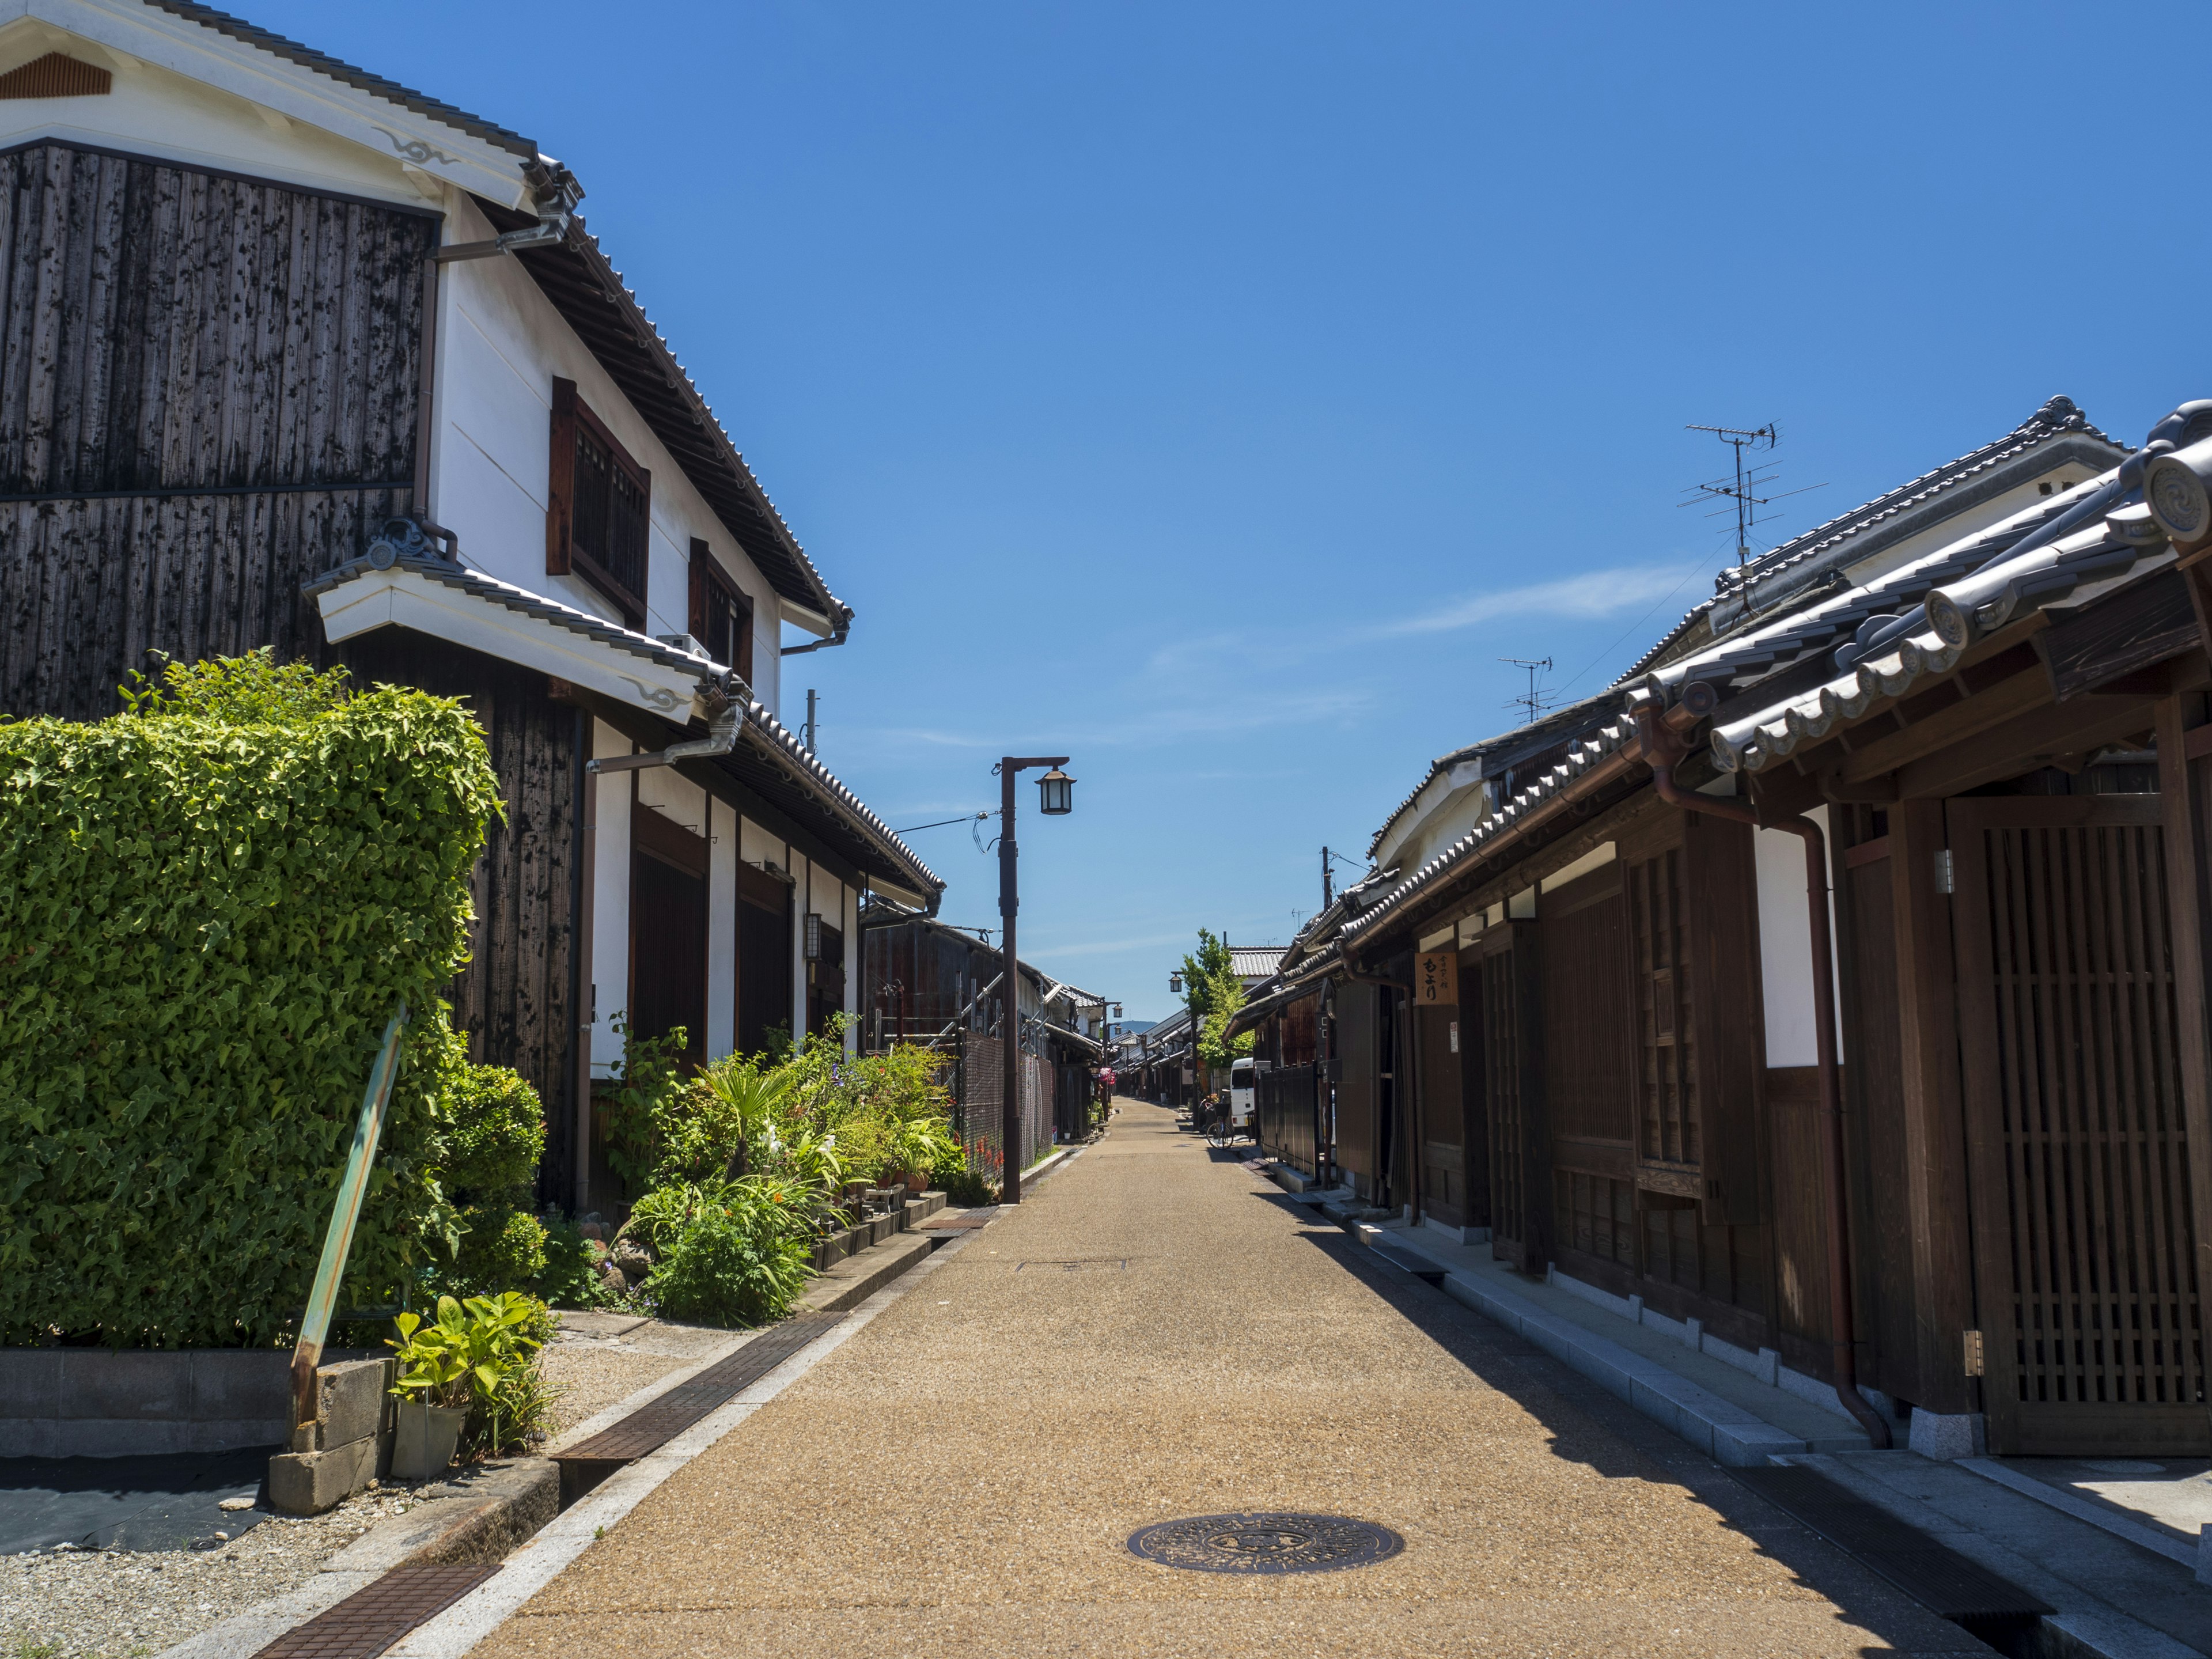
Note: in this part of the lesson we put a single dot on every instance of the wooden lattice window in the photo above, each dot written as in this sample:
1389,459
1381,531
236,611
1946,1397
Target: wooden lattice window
721,615
1668,1128
598,507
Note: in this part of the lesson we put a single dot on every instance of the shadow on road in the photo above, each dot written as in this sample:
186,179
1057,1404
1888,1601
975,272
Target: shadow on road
1589,1426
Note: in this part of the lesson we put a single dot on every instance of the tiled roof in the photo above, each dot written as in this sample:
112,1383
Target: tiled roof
1253,960
1582,758
1890,518
1540,733
391,92
1798,679
789,750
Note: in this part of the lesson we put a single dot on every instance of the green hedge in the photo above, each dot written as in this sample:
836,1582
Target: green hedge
209,908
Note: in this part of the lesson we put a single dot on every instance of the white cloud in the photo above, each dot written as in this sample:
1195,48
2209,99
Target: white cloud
1592,594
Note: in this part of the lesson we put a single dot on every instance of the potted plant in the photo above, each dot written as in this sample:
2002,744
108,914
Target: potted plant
463,1360
434,1389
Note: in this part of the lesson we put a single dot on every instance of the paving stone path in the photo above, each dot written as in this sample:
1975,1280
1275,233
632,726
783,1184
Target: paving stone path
1159,1333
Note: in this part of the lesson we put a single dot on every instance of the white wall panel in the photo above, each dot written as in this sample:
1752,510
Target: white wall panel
1785,946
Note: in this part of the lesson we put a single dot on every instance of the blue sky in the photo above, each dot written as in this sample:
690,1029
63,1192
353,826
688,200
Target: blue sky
1216,393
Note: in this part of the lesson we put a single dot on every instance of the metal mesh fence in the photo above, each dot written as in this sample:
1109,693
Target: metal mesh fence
979,1094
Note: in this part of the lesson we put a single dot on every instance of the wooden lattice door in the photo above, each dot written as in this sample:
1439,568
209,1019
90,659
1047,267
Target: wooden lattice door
2085,1253
1511,1069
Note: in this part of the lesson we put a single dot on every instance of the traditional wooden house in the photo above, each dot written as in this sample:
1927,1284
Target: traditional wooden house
296,357
1928,1141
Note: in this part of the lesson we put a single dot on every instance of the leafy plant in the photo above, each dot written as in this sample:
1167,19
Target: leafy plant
570,1278
480,1353
209,906
728,1255
649,1087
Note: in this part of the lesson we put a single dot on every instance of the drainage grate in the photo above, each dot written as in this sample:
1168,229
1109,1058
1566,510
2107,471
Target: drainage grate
1941,1579
1266,1542
370,1620
653,1424
962,1223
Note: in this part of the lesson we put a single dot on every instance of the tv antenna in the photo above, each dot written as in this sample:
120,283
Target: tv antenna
1742,492
1534,702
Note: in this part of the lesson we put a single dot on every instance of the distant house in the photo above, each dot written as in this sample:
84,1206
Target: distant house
1578,1014
300,358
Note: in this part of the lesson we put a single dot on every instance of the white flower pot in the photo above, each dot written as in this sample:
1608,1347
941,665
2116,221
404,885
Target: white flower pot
426,1436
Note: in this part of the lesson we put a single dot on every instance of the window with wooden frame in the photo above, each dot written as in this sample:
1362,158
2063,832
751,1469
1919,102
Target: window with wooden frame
599,506
721,615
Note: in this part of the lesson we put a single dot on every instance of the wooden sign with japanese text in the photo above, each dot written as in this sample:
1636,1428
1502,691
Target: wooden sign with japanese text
1436,980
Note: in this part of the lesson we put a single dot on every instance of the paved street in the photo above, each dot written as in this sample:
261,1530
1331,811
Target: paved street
1160,1332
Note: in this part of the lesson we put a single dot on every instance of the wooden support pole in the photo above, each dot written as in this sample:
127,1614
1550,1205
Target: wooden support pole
1934,1115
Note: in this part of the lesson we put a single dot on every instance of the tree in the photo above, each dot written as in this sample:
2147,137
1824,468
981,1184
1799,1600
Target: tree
1212,992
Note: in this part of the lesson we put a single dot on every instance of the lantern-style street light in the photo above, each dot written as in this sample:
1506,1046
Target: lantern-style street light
1055,797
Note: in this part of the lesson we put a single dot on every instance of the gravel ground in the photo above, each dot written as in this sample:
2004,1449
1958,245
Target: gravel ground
1156,1334
112,1604
596,1371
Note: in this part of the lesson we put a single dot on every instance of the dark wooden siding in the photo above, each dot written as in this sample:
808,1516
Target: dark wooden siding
516,999
207,392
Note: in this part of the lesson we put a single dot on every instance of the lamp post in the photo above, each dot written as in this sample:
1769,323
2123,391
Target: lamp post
1055,797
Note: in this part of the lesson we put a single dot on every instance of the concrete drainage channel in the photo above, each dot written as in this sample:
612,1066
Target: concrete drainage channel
432,1582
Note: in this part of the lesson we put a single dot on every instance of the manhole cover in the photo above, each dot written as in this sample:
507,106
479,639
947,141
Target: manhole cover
1268,1542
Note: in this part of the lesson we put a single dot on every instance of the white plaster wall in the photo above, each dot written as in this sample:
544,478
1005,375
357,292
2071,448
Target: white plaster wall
500,346
153,112
759,846
2018,499
610,899
674,796
1785,946
722,932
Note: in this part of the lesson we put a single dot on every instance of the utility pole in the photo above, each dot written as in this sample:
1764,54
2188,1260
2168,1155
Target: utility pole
810,719
1324,879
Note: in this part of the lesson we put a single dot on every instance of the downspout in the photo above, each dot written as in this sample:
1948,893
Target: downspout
1663,748
724,720
1400,1068
839,632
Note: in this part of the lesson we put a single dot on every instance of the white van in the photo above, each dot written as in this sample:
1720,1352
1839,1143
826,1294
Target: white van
1243,1093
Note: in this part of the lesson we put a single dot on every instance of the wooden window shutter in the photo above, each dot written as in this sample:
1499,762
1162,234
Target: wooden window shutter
598,503
1726,1014
698,626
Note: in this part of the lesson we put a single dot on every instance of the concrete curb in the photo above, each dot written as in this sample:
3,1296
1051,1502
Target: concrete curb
537,1563
2119,1526
1044,1167
849,1283
1724,1431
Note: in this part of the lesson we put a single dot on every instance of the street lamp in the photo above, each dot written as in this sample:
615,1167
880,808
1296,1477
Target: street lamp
1056,796
1175,985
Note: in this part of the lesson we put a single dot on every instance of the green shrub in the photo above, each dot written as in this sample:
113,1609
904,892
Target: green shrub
649,1091
209,906
570,1277
494,1134
503,1249
729,1255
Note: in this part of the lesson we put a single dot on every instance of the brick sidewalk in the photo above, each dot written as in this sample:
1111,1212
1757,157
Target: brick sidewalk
1156,1334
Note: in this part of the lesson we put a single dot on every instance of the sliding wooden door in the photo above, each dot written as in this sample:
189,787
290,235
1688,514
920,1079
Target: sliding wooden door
2092,1318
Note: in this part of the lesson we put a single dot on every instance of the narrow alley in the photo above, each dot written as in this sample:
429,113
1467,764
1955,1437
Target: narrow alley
1159,1333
